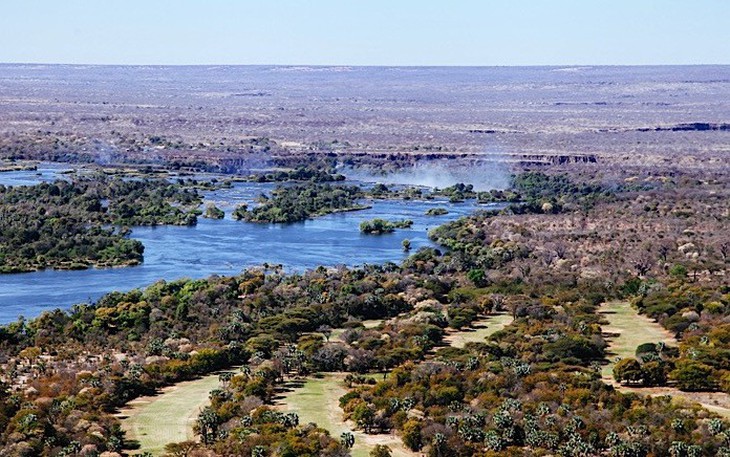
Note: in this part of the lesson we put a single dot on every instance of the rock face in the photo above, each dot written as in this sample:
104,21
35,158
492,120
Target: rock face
559,159
689,127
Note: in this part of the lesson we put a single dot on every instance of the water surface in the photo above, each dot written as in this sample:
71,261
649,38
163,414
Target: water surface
226,247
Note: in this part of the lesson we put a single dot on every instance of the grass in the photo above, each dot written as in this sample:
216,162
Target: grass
169,417
629,329
480,331
318,401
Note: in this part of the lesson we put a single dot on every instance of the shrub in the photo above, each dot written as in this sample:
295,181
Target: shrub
694,376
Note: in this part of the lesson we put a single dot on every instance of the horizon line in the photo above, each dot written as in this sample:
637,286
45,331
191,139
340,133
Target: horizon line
321,65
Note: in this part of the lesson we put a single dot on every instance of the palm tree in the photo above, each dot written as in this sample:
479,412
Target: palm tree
225,377
347,439
439,444
207,425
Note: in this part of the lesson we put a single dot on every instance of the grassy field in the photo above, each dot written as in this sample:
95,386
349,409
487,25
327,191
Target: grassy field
628,329
482,329
168,417
318,401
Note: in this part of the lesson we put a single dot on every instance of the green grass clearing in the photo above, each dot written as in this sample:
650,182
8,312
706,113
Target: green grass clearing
168,417
318,401
629,329
482,329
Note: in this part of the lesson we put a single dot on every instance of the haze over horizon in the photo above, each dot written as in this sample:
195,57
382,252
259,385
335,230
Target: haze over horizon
379,33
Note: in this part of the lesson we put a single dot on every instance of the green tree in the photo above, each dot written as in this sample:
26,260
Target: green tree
694,376
477,277
347,439
380,450
213,212
628,371
183,449
412,435
363,415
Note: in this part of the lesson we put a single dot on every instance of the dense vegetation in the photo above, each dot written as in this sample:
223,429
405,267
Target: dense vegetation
213,212
67,224
300,202
698,315
436,211
533,388
302,173
379,226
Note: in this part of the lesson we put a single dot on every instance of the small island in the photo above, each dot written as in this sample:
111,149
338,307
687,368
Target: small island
379,226
437,212
213,212
300,202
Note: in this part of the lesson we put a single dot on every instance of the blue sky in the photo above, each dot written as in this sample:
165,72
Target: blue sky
366,32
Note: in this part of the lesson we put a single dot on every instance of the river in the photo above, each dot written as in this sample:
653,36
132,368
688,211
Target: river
224,247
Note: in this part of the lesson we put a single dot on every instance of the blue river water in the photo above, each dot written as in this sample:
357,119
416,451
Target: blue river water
224,247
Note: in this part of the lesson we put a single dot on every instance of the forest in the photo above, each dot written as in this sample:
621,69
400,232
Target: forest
83,223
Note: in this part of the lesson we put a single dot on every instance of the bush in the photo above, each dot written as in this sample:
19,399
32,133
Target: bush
628,371
694,376
646,348
477,277
380,450
566,348
412,435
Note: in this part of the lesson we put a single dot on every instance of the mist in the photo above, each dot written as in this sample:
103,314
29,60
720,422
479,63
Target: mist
483,176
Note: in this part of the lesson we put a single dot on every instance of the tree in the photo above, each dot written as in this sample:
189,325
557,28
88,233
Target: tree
694,376
412,435
678,271
326,331
438,445
477,277
207,425
225,377
628,371
213,212
364,416
376,226
643,263
347,439
655,373
240,212
380,450
723,248
406,245
183,449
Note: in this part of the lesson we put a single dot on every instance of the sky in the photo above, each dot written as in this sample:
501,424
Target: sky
366,32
